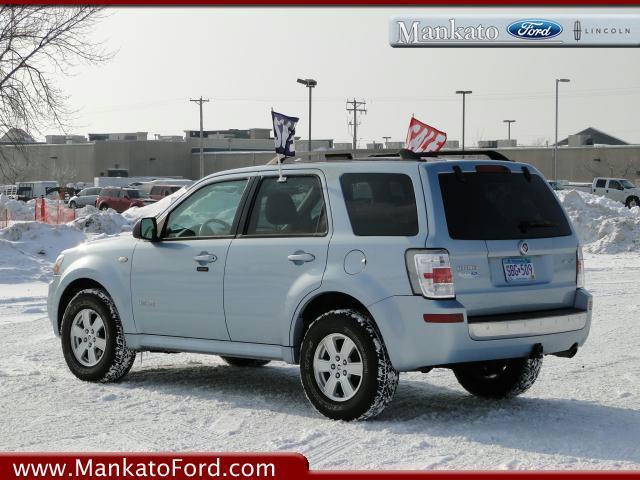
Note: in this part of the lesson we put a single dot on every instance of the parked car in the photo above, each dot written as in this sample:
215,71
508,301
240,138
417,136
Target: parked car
619,189
86,196
158,192
120,199
354,270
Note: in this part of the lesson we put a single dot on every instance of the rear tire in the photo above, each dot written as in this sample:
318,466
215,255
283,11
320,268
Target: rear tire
104,206
93,339
632,202
499,379
344,366
245,362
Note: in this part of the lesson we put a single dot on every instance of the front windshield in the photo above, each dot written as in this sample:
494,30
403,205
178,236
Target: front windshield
627,184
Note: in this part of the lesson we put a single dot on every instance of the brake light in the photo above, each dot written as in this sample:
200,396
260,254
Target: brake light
579,268
430,273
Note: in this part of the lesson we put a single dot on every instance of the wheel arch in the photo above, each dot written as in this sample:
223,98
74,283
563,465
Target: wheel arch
317,305
70,291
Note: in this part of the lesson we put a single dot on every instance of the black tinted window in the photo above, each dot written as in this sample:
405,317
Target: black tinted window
380,204
601,183
500,206
294,207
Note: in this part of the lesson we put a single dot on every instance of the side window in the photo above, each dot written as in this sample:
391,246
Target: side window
615,184
294,207
601,183
208,212
380,204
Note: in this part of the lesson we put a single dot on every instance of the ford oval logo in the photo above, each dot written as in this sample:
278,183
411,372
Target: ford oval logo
536,29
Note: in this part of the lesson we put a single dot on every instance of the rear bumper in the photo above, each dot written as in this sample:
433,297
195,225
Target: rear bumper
413,343
528,324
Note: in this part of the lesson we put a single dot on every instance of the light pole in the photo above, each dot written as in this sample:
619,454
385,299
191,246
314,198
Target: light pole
310,83
509,122
555,146
464,94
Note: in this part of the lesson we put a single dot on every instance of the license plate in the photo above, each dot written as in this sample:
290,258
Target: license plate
518,270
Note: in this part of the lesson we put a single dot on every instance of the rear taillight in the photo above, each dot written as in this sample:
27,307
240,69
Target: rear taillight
579,269
430,273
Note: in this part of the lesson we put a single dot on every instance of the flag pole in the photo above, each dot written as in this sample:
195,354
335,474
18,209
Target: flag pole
281,179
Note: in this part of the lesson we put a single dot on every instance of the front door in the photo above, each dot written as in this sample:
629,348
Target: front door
177,282
278,258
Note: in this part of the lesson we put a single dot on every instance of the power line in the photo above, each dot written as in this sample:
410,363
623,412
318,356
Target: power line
355,106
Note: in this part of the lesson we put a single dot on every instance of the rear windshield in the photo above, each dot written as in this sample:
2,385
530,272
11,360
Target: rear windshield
500,206
380,204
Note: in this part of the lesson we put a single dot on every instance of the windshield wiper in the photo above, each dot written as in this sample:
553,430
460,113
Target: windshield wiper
526,225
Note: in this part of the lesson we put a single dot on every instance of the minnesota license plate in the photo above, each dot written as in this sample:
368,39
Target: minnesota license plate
518,270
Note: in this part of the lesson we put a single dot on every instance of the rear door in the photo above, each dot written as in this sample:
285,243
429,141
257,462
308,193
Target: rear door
279,257
615,191
511,246
600,186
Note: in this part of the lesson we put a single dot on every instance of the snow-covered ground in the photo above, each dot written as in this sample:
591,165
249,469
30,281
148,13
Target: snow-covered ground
583,413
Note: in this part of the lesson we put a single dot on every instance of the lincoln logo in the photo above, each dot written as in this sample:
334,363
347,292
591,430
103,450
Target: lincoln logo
577,30
524,247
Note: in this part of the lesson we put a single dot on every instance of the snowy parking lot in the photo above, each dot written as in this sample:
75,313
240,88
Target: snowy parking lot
583,413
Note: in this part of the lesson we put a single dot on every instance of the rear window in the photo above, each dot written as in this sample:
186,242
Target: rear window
601,183
500,206
380,204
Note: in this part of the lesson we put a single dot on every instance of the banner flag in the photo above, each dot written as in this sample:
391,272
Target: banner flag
284,129
424,138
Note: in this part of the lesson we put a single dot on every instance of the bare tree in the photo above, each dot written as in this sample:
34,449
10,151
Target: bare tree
36,44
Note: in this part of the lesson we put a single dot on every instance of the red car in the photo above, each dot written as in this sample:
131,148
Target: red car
120,199
158,192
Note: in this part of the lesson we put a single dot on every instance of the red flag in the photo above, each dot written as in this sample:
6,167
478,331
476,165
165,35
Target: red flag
423,138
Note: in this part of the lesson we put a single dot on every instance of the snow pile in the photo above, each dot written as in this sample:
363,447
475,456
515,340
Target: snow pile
91,220
41,239
603,225
16,209
153,209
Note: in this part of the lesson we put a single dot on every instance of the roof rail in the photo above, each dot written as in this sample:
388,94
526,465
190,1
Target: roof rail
409,155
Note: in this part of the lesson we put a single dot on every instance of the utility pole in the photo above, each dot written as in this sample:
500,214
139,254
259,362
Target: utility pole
200,101
354,106
555,146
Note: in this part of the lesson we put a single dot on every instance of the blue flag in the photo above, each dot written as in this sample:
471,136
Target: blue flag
284,129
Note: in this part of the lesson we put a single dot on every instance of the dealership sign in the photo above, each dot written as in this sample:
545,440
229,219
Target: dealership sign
502,30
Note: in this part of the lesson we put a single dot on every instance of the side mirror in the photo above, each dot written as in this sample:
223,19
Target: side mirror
146,229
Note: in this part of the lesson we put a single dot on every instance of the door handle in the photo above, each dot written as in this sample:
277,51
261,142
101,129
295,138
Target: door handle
300,257
205,257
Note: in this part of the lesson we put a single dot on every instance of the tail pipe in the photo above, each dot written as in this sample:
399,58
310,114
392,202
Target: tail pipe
568,353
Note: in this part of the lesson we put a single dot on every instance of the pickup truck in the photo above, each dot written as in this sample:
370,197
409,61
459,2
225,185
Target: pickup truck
619,189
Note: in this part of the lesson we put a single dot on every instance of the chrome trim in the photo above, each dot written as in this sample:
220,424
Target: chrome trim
529,327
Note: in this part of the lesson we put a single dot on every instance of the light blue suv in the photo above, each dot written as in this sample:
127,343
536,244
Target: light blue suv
355,270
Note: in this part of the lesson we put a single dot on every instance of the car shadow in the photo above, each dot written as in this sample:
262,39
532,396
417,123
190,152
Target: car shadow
567,427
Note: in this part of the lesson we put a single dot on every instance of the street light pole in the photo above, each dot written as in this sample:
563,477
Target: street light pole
310,83
509,122
464,94
555,146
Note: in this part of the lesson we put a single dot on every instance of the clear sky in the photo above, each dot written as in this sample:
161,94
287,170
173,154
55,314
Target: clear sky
246,60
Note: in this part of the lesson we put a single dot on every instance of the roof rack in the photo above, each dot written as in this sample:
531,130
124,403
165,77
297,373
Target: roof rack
410,155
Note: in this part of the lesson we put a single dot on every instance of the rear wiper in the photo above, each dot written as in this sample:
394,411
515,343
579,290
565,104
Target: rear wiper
525,225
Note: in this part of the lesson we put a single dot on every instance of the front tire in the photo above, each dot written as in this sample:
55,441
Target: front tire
345,369
244,362
93,340
499,379
72,205
104,206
